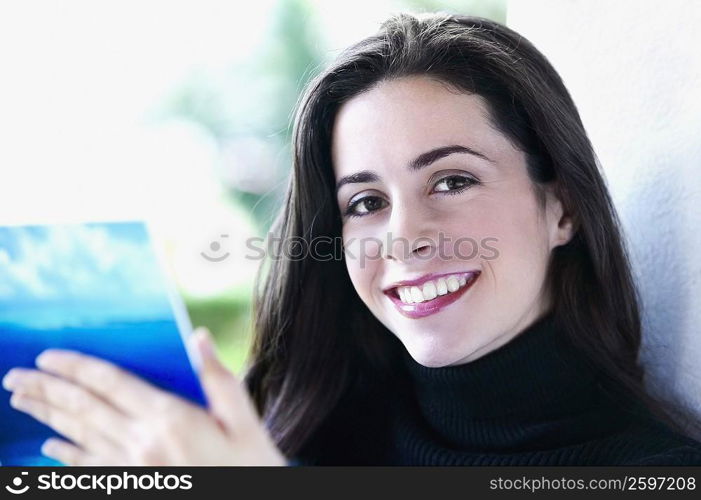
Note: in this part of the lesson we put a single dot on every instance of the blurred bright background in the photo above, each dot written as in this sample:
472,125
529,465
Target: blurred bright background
179,113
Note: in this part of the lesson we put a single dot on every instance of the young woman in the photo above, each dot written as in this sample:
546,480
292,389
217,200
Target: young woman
479,309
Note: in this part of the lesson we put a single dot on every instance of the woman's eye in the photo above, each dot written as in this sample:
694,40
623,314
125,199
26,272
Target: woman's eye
364,206
454,184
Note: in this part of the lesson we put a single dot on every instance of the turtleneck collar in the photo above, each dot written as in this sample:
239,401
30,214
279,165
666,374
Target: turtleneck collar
535,390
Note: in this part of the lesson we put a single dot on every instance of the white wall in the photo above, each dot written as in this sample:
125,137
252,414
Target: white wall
633,68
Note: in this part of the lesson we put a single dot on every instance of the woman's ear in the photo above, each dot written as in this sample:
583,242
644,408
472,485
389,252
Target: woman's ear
561,225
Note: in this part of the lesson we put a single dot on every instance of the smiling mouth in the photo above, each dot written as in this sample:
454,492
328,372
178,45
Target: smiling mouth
431,289
417,302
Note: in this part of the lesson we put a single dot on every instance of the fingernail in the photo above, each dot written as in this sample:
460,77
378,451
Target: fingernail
45,359
18,401
10,380
49,447
204,343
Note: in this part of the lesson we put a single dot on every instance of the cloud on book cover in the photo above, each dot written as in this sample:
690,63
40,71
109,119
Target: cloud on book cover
79,274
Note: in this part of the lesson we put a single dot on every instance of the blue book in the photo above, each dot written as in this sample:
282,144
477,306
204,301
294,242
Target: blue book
98,288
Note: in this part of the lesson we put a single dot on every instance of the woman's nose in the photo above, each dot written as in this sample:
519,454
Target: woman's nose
410,234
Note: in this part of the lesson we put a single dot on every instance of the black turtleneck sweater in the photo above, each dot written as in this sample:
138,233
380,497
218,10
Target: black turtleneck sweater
533,401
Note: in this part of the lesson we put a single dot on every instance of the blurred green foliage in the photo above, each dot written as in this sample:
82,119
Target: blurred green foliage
491,9
228,318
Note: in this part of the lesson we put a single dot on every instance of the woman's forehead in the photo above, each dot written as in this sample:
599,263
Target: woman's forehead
399,119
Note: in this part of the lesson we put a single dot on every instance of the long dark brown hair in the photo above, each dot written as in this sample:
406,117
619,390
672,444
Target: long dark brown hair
314,339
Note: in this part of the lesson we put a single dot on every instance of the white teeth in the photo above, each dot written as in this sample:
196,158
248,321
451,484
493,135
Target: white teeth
453,283
430,289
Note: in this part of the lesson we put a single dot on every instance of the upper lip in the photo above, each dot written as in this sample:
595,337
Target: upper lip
423,279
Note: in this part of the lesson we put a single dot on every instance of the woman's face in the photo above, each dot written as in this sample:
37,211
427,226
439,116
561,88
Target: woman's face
469,212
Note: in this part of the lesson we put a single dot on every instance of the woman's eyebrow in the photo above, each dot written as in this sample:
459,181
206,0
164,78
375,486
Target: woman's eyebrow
421,161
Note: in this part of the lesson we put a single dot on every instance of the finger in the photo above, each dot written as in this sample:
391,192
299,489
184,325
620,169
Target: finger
84,407
125,391
85,436
227,397
70,454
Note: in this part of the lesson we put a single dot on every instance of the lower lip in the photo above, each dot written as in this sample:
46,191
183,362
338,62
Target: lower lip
422,309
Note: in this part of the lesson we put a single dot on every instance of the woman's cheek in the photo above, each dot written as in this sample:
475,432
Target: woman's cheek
520,266
363,257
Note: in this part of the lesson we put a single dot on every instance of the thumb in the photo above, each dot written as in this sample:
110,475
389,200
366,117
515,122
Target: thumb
226,395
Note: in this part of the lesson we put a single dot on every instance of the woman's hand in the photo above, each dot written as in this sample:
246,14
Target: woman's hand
115,418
